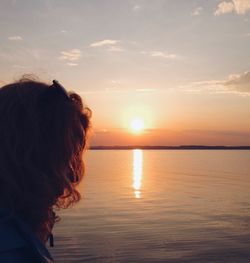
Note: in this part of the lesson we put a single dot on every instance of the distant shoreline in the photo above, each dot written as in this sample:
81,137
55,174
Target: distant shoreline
181,147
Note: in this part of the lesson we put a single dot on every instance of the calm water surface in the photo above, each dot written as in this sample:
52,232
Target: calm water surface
159,206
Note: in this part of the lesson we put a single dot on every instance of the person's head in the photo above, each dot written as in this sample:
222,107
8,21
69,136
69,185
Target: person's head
43,132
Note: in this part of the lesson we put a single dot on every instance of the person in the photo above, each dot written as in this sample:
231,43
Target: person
43,135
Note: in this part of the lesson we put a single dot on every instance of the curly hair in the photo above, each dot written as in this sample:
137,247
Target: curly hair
43,134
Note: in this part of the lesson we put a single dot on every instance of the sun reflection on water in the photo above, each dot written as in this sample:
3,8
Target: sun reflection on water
137,172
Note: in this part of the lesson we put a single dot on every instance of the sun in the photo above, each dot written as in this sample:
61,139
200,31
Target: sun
137,125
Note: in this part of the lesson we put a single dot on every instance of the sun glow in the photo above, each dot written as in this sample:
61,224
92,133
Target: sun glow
137,125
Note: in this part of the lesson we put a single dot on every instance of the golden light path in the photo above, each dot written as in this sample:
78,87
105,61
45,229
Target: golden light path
137,172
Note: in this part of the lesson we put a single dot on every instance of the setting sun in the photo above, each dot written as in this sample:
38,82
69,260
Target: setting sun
137,125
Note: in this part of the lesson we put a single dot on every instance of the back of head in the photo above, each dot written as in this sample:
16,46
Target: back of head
43,133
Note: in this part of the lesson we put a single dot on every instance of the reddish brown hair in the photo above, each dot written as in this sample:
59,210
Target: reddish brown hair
43,134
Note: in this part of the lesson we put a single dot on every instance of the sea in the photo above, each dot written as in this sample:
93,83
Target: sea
152,206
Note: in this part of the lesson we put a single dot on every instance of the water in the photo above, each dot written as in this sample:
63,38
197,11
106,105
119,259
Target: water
159,206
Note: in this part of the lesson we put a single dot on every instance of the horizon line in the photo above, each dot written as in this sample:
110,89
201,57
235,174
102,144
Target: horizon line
168,147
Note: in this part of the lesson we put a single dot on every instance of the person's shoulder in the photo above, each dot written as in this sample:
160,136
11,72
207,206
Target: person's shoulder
10,238
19,255
18,244
13,247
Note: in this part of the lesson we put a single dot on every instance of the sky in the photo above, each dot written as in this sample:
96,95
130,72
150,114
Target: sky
182,67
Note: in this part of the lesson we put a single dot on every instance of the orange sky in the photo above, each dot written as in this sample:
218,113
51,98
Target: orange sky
182,67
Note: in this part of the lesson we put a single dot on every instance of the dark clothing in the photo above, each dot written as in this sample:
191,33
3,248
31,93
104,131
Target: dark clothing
18,244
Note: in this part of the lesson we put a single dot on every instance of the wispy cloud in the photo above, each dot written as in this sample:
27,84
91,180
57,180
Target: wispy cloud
116,49
71,55
239,82
15,38
210,86
105,42
160,54
235,83
72,64
197,11
2,83
240,7
224,8
164,55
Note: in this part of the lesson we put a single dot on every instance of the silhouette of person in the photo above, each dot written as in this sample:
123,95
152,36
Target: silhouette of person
43,134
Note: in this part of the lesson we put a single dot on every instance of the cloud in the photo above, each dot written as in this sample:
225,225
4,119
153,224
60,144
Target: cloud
210,86
105,42
72,64
235,83
224,8
2,83
71,55
197,11
240,7
160,54
116,49
163,55
239,82
110,44
15,38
